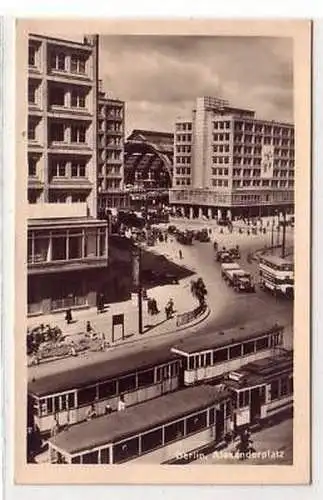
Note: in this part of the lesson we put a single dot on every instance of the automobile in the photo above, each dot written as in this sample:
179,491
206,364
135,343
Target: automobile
202,236
224,256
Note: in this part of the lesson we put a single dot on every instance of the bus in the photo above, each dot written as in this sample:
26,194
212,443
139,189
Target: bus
277,274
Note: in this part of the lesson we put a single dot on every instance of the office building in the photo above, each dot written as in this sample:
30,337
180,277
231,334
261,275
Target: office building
228,163
67,244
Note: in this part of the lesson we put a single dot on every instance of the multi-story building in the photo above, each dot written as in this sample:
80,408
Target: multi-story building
111,130
67,244
227,162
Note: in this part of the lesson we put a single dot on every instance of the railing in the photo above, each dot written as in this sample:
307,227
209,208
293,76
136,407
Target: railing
187,317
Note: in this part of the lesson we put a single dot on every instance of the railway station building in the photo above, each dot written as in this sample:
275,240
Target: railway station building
229,163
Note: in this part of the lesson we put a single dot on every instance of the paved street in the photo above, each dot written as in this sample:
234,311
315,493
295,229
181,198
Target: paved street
227,307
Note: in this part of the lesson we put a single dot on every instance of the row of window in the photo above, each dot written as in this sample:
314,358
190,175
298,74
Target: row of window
221,125
266,129
183,137
280,267
256,172
236,351
221,148
183,149
105,390
183,171
155,438
55,197
183,182
186,160
268,277
221,137
238,160
220,183
220,171
59,60
182,127
262,183
57,132
256,141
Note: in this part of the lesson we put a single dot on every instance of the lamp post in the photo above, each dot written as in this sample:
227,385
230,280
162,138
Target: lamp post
136,266
284,235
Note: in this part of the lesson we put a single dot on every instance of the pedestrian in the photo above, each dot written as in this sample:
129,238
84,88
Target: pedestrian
107,409
121,403
154,307
180,253
166,237
89,328
68,316
55,427
91,412
73,350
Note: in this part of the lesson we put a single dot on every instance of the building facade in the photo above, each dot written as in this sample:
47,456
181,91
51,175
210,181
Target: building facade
111,131
228,163
67,244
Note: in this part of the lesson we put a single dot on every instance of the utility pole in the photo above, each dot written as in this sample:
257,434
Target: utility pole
137,283
272,235
284,236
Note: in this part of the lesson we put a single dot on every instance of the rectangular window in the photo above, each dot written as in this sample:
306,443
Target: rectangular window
262,343
145,378
174,431
78,133
77,99
151,440
31,55
57,61
58,169
78,169
86,396
105,456
91,458
274,390
248,347
75,247
284,386
107,389
220,355
59,248
56,95
56,132
196,423
41,249
125,450
78,64
31,93
235,351
211,416
127,384
31,130
76,460
32,167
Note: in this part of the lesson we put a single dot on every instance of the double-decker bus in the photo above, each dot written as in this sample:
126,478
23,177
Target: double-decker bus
277,274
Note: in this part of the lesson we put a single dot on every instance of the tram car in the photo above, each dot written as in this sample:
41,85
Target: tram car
261,390
207,357
66,398
153,432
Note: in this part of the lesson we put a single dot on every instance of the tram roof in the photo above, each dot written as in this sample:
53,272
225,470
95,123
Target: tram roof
277,260
224,338
137,419
260,371
91,373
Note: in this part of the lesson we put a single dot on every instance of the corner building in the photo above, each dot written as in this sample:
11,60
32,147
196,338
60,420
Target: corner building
67,244
229,163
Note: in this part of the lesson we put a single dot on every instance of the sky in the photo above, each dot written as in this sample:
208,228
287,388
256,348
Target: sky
159,77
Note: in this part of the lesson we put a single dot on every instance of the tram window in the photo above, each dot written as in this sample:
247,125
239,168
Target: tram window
235,351
86,395
125,450
76,460
248,347
291,385
56,404
64,402
71,400
127,383
151,440
43,406
228,409
107,389
208,359
173,369
212,416
196,422
50,405
159,374
165,372
284,386
262,395
262,343
145,378
91,458
241,400
191,363
220,355
105,456
274,390
174,431
234,399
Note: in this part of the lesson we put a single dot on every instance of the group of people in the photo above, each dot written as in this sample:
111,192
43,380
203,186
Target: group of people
92,413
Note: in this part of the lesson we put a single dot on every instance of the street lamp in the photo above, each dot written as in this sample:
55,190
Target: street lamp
136,271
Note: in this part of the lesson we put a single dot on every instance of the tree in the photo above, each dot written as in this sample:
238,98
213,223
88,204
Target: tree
244,445
199,291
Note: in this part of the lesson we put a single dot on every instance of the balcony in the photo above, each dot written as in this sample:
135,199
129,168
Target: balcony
66,183
67,265
56,210
71,147
35,183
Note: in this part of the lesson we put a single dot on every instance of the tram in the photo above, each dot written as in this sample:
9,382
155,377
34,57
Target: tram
261,390
210,356
65,398
153,432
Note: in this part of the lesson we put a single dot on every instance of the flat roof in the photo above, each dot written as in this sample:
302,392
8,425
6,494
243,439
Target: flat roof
103,370
260,371
217,339
135,419
275,259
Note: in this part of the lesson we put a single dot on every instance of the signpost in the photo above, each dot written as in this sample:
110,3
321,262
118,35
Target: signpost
117,319
136,270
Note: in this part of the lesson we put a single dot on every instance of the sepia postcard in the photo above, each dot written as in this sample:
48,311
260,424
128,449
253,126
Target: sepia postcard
163,180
